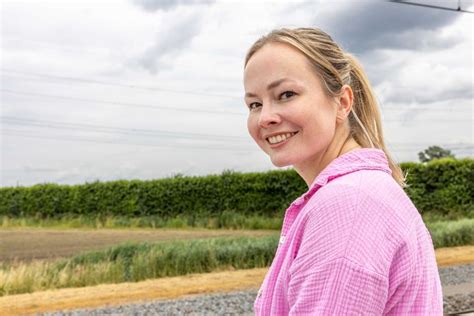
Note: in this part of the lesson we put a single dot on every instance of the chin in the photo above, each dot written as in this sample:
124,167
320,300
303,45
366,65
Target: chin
280,162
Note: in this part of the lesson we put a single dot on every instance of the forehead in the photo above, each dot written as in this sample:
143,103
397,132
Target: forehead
277,60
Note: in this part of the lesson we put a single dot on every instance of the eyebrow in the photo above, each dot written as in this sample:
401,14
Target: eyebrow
272,85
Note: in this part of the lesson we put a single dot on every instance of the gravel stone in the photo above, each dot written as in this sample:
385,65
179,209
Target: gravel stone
457,274
241,303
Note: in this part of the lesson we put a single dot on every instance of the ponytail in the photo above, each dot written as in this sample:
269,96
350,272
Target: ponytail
365,119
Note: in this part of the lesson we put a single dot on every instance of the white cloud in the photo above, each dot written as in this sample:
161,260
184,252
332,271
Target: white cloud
200,48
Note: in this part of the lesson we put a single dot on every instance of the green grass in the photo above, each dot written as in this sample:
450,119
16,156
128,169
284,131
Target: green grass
132,262
452,233
227,219
140,261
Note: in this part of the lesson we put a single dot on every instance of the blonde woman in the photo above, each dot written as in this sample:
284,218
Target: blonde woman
354,243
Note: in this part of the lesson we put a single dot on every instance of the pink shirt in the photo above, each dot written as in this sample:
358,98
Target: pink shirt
354,244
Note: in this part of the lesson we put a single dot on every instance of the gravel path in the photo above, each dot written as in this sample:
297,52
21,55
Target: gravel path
455,280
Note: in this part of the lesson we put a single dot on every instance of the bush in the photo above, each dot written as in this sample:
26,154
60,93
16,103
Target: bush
443,187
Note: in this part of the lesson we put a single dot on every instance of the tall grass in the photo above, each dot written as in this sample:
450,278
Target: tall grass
452,233
139,261
226,219
135,262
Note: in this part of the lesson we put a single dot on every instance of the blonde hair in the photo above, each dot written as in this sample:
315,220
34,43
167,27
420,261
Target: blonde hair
337,68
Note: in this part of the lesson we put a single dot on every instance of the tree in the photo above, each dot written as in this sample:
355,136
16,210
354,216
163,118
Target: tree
434,152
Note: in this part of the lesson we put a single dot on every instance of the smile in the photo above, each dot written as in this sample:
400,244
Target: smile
280,138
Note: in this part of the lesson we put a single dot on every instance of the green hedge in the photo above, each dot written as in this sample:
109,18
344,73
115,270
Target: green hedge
442,188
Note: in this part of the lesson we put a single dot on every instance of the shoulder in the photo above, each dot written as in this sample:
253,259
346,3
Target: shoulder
363,216
365,192
349,194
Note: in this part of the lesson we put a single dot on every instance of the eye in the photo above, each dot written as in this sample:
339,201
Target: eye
287,94
254,105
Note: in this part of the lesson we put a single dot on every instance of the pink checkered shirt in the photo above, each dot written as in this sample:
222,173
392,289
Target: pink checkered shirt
354,244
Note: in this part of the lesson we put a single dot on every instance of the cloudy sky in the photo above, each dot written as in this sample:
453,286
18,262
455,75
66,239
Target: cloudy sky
145,89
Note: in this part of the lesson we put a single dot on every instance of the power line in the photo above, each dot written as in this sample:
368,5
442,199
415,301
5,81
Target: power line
407,148
384,108
122,85
157,107
458,145
449,110
153,107
416,150
56,46
412,120
184,146
160,107
108,141
112,129
429,143
458,9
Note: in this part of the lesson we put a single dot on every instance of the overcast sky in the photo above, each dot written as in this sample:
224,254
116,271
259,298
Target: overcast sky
146,89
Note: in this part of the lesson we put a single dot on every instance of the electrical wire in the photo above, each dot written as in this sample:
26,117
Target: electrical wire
112,129
395,146
126,104
458,9
17,133
384,108
122,85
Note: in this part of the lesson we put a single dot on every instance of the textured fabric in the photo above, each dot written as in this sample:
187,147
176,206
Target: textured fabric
354,244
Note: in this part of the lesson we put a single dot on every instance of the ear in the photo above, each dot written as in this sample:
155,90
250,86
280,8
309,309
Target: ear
344,103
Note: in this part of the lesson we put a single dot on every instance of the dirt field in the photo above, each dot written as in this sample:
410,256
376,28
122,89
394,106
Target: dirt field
29,244
47,244
35,243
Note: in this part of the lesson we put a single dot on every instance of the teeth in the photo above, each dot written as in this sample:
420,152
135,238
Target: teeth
279,138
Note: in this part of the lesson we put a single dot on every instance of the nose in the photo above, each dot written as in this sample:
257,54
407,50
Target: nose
268,116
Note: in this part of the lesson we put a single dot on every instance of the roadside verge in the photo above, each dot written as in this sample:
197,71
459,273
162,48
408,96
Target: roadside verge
167,288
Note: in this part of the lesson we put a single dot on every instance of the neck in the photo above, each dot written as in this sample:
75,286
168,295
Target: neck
310,170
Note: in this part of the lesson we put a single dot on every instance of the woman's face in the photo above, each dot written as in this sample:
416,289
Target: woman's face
290,116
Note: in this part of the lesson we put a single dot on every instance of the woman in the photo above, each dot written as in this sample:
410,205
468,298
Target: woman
354,243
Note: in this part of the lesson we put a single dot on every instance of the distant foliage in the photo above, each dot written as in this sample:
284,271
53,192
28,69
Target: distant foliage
442,186
434,152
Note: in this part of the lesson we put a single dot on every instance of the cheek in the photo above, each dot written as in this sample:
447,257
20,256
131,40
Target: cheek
327,129
252,127
254,131
321,127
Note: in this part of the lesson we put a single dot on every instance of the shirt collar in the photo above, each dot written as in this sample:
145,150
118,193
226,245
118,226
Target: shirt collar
355,160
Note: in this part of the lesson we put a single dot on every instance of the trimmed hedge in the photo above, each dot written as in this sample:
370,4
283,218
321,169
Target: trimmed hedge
443,188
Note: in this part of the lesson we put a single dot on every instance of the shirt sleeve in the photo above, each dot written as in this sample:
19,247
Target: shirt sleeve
338,287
